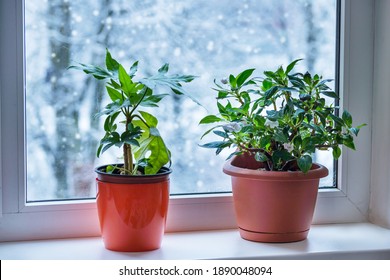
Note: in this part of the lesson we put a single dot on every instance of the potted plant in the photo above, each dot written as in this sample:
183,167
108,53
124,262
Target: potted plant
132,197
275,124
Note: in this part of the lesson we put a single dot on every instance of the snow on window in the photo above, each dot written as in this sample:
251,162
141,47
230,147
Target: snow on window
206,38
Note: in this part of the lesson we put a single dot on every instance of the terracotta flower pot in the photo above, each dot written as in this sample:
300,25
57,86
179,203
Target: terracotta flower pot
132,210
273,206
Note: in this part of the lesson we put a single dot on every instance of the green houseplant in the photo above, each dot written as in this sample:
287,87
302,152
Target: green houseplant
132,197
275,124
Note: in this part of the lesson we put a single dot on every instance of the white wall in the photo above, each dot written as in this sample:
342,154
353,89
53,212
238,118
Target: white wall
380,173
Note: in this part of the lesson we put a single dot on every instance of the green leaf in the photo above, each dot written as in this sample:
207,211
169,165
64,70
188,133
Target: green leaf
322,83
259,121
152,100
266,84
322,116
281,155
304,96
331,94
222,110
159,156
113,107
159,153
114,84
265,141
171,81
131,141
115,138
307,78
209,130
243,76
270,74
99,150
292,65
149,119
151,142
280,72
96,71
297,82
304,163
319,129
154,131
125,80
232,81
280,136
349,143
234,154
356,130
109,123
114,94
271,92
297,141
339,121
336,152
109,140
289,89
111,64
273,115
216,145
210,119
106,147
299,112
110,169
164,69
221,133
347,118
261,157
131,135
133,69
222,94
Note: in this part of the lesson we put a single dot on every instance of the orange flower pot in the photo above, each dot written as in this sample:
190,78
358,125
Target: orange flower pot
273,206
132,210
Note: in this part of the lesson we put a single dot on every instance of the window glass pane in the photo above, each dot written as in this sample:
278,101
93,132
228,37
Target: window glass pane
210,39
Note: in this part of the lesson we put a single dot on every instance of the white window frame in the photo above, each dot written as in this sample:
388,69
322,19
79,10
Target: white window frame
21,221
379,211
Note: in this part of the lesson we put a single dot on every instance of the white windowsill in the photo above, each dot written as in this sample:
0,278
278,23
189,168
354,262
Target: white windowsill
333,241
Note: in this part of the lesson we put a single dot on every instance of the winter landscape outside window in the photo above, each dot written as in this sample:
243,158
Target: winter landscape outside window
209,39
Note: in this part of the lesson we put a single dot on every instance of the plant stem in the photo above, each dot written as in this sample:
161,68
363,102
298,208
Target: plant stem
141,119
127,154
238,96
145,90
128,159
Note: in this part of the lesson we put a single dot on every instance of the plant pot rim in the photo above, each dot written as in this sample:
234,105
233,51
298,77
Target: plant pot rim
162,175
317,171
